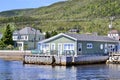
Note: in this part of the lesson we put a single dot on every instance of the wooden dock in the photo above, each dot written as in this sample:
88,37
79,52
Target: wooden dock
114,58
63,59
47,59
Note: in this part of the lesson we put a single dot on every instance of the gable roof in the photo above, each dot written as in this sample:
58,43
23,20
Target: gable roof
56,36
27,30
82,37
114,32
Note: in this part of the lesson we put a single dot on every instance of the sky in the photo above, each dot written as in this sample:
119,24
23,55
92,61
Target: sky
23,4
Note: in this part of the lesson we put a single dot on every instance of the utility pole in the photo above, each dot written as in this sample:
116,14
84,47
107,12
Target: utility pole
35,38
110,25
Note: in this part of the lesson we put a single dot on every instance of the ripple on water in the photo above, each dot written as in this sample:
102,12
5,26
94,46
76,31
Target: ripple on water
15,70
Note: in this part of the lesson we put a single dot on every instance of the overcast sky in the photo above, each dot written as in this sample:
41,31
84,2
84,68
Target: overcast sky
22,4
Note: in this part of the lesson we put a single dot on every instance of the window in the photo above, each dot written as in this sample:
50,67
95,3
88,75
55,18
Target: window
105,45
117,35
89,45
15,37
45,47
101,46
68,46
39,38
39,46
26,37
80,47
52,46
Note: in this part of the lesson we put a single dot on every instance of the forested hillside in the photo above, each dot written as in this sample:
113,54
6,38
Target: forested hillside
87,15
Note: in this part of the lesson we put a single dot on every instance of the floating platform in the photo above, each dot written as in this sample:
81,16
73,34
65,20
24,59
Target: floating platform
63,60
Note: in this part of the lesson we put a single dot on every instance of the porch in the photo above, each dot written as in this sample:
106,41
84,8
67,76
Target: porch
54,52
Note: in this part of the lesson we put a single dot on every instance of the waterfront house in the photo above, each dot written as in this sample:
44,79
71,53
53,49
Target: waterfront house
27,38
74,30
78,44
115,34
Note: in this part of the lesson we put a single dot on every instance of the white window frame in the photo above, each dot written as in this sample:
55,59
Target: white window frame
15,37
101,46
52,46
117,34
69,47
45,46
89,45
60,48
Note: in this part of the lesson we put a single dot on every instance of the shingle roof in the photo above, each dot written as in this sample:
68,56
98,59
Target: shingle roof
87,37
82,37
114,32
27,30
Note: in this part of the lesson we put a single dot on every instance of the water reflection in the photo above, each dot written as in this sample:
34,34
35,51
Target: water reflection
92,72
114,71
53,73
14,70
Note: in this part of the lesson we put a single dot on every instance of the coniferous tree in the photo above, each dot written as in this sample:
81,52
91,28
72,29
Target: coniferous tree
47,35
7,36
2,45
53,33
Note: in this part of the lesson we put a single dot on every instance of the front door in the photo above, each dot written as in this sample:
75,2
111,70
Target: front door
59,48
20,46
79,48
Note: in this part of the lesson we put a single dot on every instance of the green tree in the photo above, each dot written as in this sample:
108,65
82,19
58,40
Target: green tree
47,35
53,33
2,45
7,36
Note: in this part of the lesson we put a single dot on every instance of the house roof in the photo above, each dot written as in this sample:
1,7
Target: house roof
74,30
90,37
27,30
114,32
56,36
82,37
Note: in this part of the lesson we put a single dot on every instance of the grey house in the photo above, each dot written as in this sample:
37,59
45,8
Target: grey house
27,38
79,44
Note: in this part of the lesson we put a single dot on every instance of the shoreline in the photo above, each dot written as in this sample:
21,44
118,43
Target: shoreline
13,55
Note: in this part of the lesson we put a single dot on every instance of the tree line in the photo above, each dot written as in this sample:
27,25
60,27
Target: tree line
6,41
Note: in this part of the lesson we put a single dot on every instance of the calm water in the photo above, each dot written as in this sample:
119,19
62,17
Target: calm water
15,70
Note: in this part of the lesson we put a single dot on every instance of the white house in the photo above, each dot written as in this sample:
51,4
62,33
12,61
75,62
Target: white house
114,34
27,38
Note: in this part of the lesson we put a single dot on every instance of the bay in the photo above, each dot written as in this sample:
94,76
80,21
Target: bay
15,70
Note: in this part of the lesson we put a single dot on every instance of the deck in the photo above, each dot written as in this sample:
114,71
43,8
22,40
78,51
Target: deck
47,59
63,60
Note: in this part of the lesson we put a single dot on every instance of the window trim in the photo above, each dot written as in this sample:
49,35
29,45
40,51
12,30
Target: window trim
52,48
89,45
69,47
101,46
